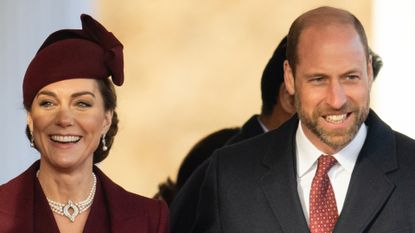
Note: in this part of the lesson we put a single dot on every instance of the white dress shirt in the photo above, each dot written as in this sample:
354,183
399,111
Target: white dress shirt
307,155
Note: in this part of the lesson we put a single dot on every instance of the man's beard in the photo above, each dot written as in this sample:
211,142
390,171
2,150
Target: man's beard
338,138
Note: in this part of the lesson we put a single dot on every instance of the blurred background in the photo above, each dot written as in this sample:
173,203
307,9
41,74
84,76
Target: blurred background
192,67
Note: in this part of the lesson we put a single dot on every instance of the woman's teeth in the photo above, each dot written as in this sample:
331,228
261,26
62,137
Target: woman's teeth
65,139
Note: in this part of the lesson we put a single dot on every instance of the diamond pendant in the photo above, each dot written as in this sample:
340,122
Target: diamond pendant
75,211
72,209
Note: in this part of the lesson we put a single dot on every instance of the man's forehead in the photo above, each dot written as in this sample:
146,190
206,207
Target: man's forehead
322,36
323,47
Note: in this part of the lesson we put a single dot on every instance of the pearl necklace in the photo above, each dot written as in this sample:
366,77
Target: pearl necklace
76,207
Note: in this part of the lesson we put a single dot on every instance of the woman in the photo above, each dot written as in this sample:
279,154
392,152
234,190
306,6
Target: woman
71,121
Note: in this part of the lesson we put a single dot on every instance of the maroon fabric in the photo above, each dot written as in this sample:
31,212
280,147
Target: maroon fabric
44,222
98,219
127,212
90,52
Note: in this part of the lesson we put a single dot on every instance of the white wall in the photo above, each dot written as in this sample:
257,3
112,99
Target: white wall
394,39
24,25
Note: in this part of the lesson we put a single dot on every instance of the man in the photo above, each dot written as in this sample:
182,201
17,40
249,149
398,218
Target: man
277,103
268,184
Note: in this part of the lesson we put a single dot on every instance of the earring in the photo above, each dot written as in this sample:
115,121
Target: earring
32,140
104,143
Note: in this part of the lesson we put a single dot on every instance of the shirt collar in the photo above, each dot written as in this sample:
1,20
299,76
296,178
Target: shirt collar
307,154
262,125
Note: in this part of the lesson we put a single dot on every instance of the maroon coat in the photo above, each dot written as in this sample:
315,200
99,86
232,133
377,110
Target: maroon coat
128,212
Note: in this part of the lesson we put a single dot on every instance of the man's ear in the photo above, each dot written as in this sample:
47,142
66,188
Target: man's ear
289,78
370,70
286,100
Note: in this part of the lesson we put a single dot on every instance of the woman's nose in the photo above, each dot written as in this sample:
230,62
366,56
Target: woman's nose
64,117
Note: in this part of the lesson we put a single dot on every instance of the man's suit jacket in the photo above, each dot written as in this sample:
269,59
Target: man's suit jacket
251,187
250,129
128,212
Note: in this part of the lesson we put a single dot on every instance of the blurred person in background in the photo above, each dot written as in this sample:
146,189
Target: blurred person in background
200,152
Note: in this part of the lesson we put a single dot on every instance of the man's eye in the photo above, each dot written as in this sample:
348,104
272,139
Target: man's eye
352,77
317,79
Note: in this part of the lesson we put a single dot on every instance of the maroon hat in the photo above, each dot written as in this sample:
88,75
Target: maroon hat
90,52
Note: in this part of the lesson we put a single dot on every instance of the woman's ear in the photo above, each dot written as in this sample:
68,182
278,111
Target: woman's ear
29,122
289,78
286,100
107,121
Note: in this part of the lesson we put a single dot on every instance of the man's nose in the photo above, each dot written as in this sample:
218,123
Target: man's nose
336,96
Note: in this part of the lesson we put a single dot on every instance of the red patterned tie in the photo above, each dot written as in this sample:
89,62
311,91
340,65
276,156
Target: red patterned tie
323,208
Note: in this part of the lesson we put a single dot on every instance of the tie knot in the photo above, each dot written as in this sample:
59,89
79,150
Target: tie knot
325,162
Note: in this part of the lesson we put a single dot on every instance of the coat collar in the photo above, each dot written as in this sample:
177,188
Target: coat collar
250,129
253,126
369,186
130,212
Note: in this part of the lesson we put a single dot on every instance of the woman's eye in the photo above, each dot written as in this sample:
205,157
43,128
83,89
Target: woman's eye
83,104
45,103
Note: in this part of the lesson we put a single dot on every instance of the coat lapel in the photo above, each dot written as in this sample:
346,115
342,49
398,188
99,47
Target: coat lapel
369,186
279,182
121,213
